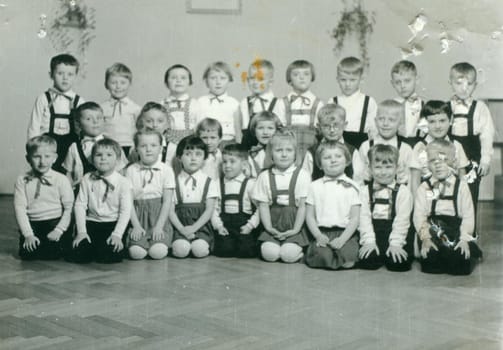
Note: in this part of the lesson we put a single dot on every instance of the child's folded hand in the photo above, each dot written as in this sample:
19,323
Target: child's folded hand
157,233
367,249
397,253
427,244
31,243
337,243
54,235
136,233
275,233
79,238
115,242
464,247
245,229
484,168
222,231
189,232
322,240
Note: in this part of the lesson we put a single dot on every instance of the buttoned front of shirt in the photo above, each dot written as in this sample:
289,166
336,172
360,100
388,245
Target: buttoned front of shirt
150,181
191,187
304,101
353,106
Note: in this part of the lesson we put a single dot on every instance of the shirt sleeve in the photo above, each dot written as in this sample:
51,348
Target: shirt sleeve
310,199
307,164
421,210
20,208
69,163
371,116
486,129
280,110
302,185
262,189
467,213
125,206
213,190
244,117
320,105
401,222
169,179
80,207
360,167
367,234
216,221
254,220
37,116
415,163
67,199
461,158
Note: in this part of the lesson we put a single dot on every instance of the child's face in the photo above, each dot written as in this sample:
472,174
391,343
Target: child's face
333,162
300,79
232,165
118,86
383,172
462,85
91,122
192,160
404,83
349,82
259,80
283,154
210,138
64,76
105,160
155,120
178,81
264,131
148,149
387,122
332,128
438,164
42,159
217,82
438,125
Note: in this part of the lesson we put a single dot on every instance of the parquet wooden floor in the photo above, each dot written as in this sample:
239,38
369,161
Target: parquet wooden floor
246,304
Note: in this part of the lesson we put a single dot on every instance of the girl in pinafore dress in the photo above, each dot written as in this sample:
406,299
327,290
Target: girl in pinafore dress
281,192
153,184
196,195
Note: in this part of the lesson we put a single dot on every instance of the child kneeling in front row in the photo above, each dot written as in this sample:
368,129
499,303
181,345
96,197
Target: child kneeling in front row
281,193
333,211
102,208
43,200
444,216
385,216
153,183
236,219
196,195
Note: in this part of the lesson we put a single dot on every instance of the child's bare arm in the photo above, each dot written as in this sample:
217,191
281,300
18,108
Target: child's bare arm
167,199
206,216
354,219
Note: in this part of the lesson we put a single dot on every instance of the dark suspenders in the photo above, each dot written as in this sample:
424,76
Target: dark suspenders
179,194
389,201
290,191
469,119
65,116
289,111
363,118
453,198
236,196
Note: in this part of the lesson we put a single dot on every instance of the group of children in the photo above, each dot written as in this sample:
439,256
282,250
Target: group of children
350,183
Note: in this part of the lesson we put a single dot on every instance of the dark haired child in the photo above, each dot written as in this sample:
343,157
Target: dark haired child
210,131
333,211
444,217
119,110
102,208
52,113
218,104
385,234
43,200
360,109
236,218
179,104
195,197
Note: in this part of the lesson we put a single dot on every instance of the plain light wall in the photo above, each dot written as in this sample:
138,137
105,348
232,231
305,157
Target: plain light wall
151,35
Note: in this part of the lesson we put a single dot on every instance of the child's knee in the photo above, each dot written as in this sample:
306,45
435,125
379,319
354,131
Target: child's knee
137,253
200,248
181,248
158,251
290,252
270,251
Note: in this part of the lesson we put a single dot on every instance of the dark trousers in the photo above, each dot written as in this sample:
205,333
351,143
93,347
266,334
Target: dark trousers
450,261
374,261
98,249
236,244
46,250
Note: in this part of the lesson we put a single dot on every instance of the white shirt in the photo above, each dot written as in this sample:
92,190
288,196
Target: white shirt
192,192
412,107
259,104
304,101
212,165
223,108
176,107
150,181
120,119
354,108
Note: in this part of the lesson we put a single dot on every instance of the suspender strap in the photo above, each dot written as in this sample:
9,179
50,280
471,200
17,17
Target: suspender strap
394,194
222,195
82,156
371,143
164,152
335,99
177,191
288,111
50,103
470,118
242,195
455,196
364,113
390,201
272,104
250,107
272,183
205,191
434,201
312,116
76,101
291,187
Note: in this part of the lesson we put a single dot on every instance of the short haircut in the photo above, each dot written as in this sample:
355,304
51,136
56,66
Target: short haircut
87,106
153,106
140,133
299,64
177,66
66,59
403,66
235,149
264,116
189,143
433,107
392,105
259,64
385,154
465,69
331,145
118,69
331,112
350,65
43,140
445,147
279,136
107,143
209,124
218,66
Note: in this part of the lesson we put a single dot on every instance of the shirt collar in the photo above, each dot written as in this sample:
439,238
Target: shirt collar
183,97
240,178
70,93
307,94
156,165
288,171
184,175
377,186
330,178
92,138
355,96
380,140
459,102
267,95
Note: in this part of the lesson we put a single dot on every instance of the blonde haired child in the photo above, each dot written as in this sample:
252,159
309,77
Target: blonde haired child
153,183
196,196
210,131
281,193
